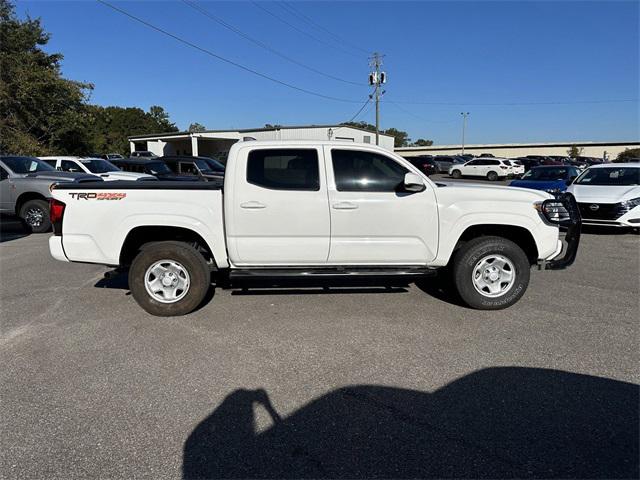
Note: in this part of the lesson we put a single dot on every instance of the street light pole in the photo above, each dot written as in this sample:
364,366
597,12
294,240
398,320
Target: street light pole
464,127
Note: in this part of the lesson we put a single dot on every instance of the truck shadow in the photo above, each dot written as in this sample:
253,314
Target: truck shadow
497,422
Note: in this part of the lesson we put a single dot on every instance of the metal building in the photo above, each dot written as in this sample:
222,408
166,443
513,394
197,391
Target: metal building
216,143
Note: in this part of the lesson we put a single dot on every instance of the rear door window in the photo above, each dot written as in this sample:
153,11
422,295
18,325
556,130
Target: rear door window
284,169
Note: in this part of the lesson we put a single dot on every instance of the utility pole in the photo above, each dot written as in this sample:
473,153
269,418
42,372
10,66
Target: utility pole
464,127
377,78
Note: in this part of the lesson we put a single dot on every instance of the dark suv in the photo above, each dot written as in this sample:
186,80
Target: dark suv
153,167
203,167
425,164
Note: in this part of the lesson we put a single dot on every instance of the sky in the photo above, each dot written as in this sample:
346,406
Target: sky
539,71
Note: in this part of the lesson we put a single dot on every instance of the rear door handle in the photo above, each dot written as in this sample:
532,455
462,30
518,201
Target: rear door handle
253,205
345,206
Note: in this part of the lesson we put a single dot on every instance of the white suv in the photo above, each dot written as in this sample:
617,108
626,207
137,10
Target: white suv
489,168
95,166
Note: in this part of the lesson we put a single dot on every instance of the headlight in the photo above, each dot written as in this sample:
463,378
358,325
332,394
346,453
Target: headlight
554,211
634,202
553,191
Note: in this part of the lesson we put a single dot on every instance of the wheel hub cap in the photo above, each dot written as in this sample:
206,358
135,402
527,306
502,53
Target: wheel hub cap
493,275
167,281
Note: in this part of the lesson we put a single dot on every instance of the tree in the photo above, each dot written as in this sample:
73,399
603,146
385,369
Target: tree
575,151
197,127
628,154
39,110
401,138
421,142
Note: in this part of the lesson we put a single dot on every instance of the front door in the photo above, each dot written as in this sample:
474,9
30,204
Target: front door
7,191
279,211
373,220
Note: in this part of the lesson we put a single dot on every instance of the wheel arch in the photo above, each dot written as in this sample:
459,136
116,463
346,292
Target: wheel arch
519,235
27,196
140,236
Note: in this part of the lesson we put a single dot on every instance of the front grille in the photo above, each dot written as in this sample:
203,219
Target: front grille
605,211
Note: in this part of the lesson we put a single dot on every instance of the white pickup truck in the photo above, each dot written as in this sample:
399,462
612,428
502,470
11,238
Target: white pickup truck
312,212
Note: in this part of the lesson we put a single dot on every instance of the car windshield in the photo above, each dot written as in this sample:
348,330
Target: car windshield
623,176
546,174
156,168
24,165
95,165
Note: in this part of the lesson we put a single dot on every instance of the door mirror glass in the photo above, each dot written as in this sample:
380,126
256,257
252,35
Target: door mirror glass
413,182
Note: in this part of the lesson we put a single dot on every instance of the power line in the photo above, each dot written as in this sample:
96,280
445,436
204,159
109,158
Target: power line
230,62
368,102
311,22
269,12
419,117
263,45
506,104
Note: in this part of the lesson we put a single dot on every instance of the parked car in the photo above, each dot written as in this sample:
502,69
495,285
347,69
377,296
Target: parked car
25,184
313,211
152,166
95,166
443,162
111,156
609,195
424,164
489,168
204,167
143,154
550,178
517,169
590,160
528,163
487,155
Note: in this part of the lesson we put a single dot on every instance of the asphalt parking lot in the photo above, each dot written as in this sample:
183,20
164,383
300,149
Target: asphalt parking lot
367,382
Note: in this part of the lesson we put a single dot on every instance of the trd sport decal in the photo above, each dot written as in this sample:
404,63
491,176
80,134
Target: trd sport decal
97,196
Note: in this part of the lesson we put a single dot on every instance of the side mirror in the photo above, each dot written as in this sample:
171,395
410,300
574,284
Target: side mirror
413,183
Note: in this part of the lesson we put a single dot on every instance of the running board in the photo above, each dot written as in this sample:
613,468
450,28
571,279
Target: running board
330,275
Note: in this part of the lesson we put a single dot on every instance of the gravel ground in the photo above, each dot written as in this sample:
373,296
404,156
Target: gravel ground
310,383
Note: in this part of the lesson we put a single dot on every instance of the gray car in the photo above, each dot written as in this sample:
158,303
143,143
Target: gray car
24,189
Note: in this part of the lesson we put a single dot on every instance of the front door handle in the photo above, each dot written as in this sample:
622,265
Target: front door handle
345,206
253,205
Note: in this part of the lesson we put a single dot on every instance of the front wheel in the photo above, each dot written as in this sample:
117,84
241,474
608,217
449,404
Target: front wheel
456,174
492,176
35,213
491,273
169,278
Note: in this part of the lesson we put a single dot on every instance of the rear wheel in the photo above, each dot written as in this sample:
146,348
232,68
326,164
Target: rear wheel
456,174
169,278
492,176
35,213
491,273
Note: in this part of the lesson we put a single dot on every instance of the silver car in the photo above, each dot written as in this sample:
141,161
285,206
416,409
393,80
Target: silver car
24,189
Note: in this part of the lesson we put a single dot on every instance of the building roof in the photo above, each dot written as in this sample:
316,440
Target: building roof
249,130
517,145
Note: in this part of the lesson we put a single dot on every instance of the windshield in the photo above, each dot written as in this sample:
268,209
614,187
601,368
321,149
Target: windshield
547,174
99,166
26,165
623,176
156,168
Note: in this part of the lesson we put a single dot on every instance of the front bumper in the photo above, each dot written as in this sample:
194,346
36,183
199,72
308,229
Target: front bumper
573,227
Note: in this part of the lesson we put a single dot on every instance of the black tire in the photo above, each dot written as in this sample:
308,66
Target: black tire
35,214
492,176
456,174
473,252
182,253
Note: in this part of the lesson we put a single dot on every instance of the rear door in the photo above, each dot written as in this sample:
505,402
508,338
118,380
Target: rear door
373,220
7,191
279,211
